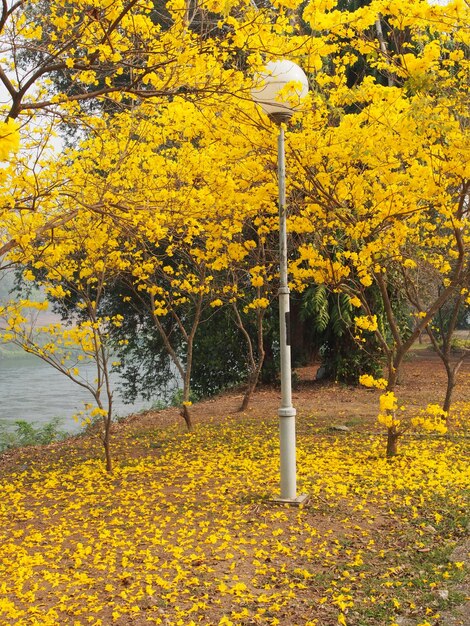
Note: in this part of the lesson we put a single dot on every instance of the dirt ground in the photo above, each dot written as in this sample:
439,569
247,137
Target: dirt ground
423,382
332,406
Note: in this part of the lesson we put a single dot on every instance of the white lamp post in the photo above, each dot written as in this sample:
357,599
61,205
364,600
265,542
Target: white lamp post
279,102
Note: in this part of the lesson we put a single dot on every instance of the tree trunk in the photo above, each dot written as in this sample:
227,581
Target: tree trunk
185,414
255,364
251,386
445,354
392,442
107,443
392,434
451,380
394,373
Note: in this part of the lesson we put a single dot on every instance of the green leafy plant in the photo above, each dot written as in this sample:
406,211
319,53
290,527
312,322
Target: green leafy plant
331,318
28,434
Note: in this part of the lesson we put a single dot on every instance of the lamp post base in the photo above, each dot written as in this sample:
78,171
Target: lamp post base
297,501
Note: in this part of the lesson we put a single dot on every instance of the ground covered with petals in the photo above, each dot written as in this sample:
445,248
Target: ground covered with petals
183,531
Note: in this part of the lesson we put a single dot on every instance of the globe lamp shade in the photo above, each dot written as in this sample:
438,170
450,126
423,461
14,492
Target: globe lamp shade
268,92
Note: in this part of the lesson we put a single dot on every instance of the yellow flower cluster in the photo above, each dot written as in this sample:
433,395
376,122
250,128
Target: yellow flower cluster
388,406
369,381
366,322
388,420
388,402
432,418
9,138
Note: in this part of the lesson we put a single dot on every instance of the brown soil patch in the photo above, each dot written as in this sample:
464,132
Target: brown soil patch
423,382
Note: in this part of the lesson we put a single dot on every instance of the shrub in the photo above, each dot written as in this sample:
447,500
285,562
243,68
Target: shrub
28,434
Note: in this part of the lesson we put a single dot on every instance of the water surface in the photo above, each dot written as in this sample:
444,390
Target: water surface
33,391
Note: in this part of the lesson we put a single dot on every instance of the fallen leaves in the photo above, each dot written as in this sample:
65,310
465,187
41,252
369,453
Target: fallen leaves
184,533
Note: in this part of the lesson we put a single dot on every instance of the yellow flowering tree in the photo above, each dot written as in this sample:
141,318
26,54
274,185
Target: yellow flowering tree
170,188
441,331
383,171
66,63
75,271
182,160
246,276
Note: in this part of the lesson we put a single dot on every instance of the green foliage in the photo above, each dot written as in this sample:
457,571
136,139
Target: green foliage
330,316
327,311
316,304
27,434
444,318
177,398
219,355
346,361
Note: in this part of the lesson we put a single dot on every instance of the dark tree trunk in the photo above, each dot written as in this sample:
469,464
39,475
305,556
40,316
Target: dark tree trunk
107,443
251,386
185,414
392,442
451,380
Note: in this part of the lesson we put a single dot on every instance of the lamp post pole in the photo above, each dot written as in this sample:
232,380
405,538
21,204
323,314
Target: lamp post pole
281,73
286,411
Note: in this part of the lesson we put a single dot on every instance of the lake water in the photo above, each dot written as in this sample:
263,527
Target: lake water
33,391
